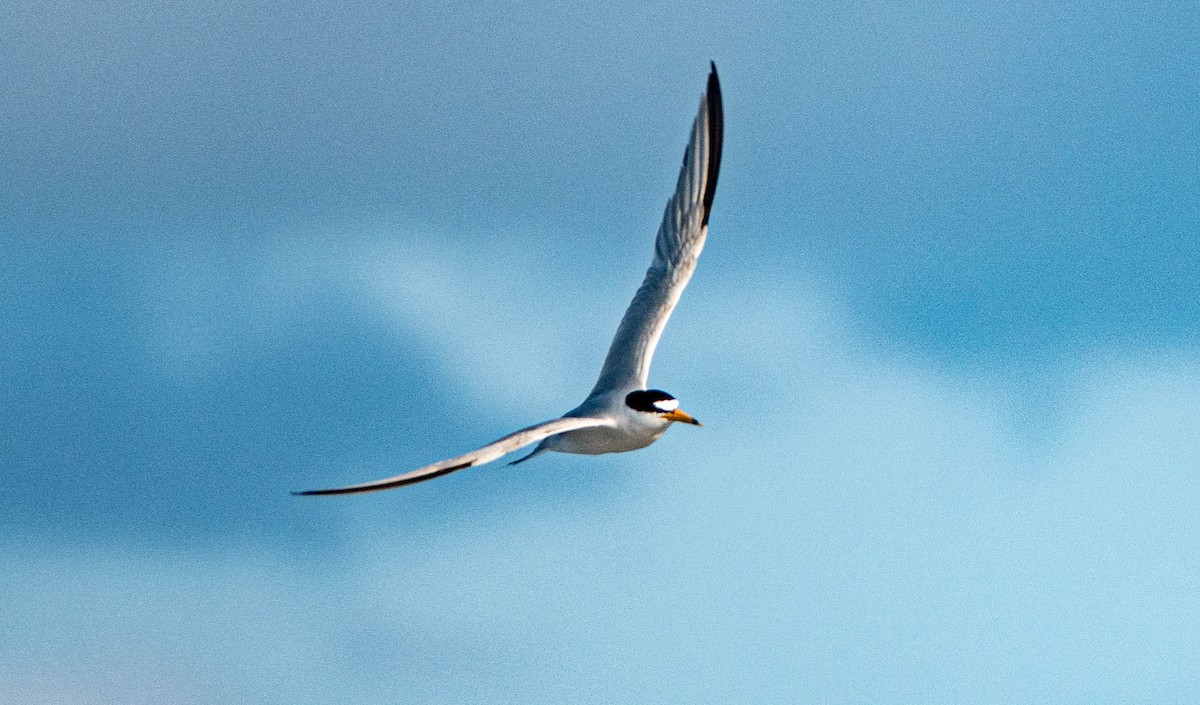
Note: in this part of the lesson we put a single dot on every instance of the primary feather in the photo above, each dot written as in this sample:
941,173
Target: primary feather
486,454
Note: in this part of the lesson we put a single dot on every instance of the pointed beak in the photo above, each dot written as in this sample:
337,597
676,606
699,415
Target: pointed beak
680,415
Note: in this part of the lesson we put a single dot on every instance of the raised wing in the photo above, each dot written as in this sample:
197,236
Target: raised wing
680,239
486,454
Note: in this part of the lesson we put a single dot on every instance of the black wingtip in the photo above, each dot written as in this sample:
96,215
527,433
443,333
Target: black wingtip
320,493
315,493
382,485
716,138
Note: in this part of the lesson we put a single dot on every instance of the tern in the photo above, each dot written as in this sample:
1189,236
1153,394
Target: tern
621,413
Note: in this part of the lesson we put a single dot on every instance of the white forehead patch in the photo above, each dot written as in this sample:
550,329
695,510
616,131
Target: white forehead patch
666,405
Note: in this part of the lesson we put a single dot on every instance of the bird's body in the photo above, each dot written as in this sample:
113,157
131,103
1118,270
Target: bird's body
627,430
621,414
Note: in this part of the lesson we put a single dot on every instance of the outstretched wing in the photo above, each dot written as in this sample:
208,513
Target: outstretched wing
486,454
680,239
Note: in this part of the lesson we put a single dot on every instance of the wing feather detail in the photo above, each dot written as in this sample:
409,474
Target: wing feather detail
678,244
486,454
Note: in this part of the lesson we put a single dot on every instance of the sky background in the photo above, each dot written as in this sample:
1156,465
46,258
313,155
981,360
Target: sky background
943,338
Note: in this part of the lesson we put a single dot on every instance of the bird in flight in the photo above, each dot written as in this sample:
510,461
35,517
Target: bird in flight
621,413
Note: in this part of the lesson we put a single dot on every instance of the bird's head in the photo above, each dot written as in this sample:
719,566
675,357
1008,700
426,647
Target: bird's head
658,402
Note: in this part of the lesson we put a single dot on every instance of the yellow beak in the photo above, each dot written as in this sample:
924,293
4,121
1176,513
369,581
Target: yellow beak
680,415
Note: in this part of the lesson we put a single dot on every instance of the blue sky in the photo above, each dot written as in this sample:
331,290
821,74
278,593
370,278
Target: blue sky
943,339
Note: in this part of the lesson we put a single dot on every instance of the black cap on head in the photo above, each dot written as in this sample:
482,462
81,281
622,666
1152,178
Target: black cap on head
651,401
